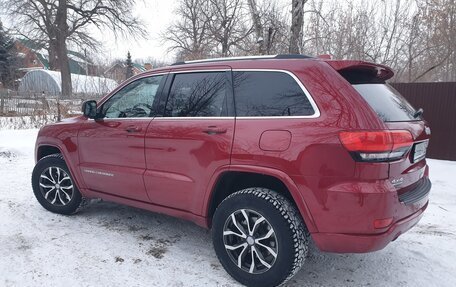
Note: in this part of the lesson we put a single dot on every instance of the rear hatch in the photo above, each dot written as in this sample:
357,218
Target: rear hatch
408,166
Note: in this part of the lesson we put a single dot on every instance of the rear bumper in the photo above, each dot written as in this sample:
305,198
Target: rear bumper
353,243
346,213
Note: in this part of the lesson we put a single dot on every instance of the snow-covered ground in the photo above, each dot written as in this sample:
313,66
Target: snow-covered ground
26,122
112,245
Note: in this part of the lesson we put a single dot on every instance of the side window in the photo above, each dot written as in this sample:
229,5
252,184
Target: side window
269,94
134,100
201,94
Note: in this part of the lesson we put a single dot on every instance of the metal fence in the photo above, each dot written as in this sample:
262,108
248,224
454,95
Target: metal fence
14,104
438,101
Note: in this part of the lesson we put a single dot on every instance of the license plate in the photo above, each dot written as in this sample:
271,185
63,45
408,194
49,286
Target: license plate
419,151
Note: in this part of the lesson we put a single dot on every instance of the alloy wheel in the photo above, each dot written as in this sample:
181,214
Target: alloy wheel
56,186
250,241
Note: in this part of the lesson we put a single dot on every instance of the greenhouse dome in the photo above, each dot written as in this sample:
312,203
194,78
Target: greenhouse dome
49,82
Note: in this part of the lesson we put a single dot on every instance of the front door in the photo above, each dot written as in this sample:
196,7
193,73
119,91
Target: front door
191,141
111,149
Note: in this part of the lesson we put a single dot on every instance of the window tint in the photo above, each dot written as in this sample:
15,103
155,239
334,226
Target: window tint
197,95
269,94
134,100
387,102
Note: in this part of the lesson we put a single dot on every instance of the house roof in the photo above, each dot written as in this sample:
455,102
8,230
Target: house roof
31,44
77,61
140,67
43,60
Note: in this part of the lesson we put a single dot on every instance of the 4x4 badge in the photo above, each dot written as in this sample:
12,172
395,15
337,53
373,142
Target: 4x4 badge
397,181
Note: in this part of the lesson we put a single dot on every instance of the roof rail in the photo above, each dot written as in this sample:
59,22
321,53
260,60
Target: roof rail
280,56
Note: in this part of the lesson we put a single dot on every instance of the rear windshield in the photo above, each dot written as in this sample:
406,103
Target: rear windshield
387,102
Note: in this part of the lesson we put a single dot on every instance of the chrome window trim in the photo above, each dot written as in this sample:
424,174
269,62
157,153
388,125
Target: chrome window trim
120,119
301,85
316,113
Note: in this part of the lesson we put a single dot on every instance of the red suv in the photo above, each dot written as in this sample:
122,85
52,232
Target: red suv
266,151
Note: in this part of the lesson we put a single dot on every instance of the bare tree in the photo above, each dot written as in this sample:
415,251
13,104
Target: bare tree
271,29
59,22
229,24
437,57
417,38
258,26
189,36
296,29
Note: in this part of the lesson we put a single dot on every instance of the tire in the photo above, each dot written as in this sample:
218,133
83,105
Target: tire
287,243
54,186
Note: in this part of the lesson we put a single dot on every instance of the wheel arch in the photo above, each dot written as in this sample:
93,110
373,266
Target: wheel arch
235,178
45,150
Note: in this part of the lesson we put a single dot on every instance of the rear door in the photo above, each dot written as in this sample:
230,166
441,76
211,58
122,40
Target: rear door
396,113
191,140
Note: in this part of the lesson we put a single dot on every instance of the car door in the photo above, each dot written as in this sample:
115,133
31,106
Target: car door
111,149
192,139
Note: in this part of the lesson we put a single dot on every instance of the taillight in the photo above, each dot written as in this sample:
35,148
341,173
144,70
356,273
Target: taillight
377,145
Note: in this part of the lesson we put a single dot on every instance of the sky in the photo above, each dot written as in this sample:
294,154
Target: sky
156,16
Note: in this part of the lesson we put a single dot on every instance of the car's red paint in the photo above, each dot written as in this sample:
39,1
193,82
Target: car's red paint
103,157
172,166
383,72
182,155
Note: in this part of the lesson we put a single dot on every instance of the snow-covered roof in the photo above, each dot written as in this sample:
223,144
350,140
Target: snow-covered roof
39,81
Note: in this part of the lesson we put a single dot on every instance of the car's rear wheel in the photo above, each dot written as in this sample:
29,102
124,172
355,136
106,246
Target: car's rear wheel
54,187
259,237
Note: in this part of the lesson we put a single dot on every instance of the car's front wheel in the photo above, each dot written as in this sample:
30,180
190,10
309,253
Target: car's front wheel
54,187
259,237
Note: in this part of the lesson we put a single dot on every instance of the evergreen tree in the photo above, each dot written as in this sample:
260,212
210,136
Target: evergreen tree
7,58
129,64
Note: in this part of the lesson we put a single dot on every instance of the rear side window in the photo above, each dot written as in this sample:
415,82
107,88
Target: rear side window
269,94
389,105
197,95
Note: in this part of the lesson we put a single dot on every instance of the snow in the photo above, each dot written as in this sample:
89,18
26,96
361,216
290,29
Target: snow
112,245
25,122
40,80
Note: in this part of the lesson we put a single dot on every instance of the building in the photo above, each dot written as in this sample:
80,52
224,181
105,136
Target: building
34,56
118,71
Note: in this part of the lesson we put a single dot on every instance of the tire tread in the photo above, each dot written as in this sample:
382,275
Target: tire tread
290,213
84,201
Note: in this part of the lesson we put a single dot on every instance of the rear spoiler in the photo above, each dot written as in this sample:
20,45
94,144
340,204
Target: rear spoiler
357,72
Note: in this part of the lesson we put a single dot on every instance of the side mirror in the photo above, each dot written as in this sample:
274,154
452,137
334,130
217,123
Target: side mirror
89,109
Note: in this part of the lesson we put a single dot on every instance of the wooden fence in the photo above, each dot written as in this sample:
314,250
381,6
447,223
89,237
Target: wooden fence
438,101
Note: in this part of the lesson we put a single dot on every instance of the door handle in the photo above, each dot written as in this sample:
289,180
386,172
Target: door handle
213,130
133,129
